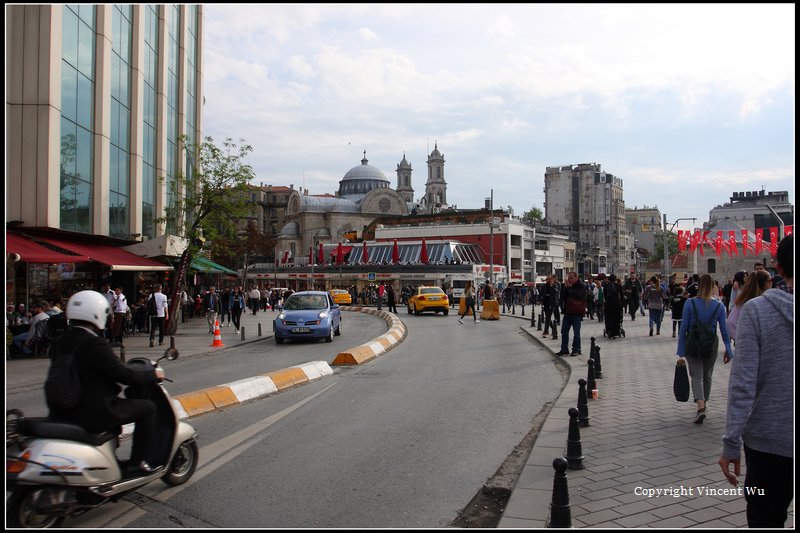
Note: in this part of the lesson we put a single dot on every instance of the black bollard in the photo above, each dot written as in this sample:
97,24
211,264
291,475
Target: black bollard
598,367
259,329
241,332
560,514
583,404
574,455
591,384
591,349
555,331
538,322
523,309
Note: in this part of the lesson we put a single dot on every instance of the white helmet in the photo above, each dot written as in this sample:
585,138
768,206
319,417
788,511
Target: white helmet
89,306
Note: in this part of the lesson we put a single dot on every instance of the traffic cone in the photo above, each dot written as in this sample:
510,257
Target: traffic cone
217,335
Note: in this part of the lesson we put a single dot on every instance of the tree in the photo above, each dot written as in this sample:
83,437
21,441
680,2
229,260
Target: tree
207,203
658,247
535,214
230,249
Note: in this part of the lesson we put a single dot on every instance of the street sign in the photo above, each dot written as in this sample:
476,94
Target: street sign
371,276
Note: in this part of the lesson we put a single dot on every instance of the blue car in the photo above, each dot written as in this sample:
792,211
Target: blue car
308,314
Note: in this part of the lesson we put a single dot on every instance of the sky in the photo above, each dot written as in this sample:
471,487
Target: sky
686,103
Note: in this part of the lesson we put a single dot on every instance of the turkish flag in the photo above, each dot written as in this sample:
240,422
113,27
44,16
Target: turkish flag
718,244
773,240
682,240
733,249
745,244
759,240
695,240
787,230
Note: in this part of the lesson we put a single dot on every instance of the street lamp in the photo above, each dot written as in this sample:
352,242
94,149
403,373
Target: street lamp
666,243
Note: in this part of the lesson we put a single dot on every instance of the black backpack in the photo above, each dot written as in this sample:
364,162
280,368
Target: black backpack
700,338
62,388
152,308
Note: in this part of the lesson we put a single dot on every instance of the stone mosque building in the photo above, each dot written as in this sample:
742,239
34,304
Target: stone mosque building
364,194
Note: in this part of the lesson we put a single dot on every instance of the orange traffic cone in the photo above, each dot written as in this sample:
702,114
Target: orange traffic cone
217,335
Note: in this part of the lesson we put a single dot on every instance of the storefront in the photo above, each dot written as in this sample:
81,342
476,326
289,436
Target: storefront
53,268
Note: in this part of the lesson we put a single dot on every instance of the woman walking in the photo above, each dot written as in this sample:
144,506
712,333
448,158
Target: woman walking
676,303
612,299
755,284
654,296
236,305
469,303
704,309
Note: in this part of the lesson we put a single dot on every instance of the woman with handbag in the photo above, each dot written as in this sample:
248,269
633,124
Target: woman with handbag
707,310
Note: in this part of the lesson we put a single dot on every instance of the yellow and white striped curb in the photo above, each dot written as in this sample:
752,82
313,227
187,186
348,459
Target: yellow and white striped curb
199,402
377,346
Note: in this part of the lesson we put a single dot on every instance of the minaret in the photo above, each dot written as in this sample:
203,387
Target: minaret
436,187
404,180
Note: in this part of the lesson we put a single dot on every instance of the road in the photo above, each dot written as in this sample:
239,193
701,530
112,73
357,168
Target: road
405,440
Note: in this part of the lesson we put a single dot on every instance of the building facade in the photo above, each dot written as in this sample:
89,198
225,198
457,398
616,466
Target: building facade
587,204
97,97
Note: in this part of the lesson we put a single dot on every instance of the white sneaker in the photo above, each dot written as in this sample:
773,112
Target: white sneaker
460,320
477,320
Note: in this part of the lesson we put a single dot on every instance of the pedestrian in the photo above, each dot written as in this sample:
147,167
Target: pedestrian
391,299
613,303
381,293
236,305
254,296
159,313
599,301
654,295
692,286
120,310
676,304
549,303
761,401
469,303
573,305
703,308
24,341
185,307
633,292
212,305
756,283
225,307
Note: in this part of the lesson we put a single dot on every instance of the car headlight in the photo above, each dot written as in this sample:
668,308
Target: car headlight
282,316
323,314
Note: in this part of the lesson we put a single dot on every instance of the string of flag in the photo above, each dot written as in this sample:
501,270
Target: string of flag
719,244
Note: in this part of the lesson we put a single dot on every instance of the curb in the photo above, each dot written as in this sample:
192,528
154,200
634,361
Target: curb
379,346
241,391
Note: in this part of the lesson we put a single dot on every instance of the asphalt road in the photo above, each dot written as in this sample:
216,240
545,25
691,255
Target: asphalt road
405,440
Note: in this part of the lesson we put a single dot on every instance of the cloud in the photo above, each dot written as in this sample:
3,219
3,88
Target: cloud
367,34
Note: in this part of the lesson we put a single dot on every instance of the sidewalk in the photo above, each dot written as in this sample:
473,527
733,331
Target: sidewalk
191,339
639,438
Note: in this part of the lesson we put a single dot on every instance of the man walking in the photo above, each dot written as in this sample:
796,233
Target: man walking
573,304
161,314
212,306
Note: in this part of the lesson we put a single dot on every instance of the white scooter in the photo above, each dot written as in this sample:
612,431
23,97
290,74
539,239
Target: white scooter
56,469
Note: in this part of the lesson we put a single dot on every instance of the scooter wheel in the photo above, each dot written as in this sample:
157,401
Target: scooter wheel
183,464
21,510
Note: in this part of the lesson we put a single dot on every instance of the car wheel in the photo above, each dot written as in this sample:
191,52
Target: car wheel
409,309
278,340
446,312
416,311
338,330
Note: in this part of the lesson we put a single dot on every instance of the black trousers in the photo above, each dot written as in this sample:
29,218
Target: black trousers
769,480
157,321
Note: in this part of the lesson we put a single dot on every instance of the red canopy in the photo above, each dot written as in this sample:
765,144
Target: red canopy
116,258
31,252
320,255
339,254
423,255
395,253
365,259
310,255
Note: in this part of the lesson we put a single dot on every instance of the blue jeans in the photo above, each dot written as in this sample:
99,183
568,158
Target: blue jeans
655,317
573,321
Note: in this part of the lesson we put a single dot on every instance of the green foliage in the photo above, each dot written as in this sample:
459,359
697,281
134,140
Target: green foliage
209,202
658,247
534,214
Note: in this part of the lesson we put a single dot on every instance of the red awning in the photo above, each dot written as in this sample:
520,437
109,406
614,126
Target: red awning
31,252
116,258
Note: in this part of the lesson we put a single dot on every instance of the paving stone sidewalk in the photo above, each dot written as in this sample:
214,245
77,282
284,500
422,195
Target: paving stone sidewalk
639,439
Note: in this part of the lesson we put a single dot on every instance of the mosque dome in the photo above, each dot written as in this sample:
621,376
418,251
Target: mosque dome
361,179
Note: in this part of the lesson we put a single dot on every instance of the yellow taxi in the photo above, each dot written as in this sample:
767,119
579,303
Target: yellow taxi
428,299
341,297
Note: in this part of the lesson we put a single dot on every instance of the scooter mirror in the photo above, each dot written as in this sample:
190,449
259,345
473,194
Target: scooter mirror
171,354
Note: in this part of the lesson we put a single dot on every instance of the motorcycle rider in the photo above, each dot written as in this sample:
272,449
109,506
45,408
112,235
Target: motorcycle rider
100,371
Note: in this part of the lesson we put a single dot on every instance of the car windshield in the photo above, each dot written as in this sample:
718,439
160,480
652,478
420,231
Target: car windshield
306,301
431,290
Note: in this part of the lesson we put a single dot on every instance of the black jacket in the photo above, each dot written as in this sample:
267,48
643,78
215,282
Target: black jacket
101,371
576,291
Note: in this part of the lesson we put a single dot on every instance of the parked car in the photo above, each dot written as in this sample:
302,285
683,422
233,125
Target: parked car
428,299
341,297
308,314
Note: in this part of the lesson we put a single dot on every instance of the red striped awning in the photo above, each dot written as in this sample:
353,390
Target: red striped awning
31,252
116,258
